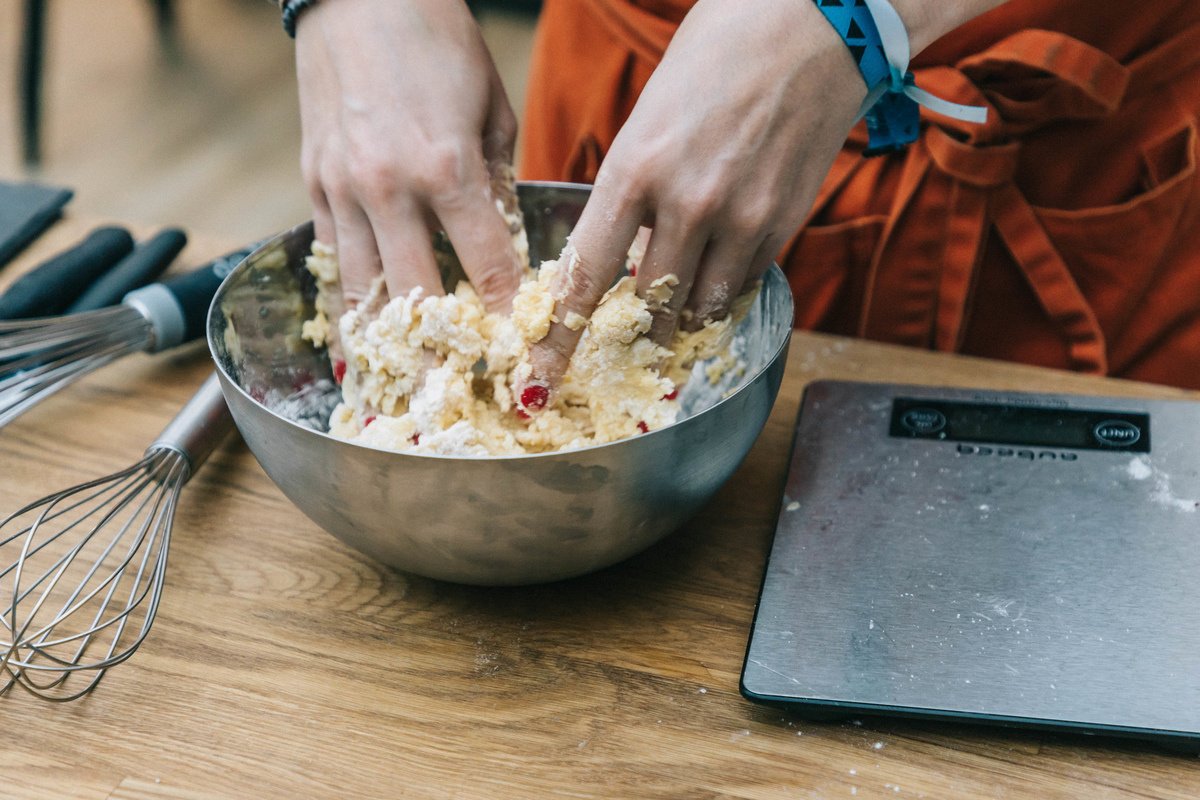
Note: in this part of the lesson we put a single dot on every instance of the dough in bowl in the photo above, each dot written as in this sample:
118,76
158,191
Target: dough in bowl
437,374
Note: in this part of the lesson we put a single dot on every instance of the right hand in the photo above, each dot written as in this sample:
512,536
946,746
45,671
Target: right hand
722,164
404,122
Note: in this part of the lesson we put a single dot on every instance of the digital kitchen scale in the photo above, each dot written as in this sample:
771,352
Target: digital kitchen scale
1012,558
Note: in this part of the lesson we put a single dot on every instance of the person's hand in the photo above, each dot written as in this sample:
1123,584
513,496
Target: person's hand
722,157
404,121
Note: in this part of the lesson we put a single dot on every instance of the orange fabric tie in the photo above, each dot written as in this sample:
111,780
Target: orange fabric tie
953,193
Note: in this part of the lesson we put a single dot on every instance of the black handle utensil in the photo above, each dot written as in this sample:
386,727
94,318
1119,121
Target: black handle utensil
38,357
52,286
148,260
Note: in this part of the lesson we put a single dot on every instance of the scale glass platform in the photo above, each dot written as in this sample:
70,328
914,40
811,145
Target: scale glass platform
1012,558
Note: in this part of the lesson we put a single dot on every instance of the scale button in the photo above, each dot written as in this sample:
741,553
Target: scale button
923,421
1117,433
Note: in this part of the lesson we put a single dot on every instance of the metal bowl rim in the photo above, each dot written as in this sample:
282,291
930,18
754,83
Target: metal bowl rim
283,235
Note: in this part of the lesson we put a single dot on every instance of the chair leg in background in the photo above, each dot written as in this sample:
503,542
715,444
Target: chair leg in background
32,56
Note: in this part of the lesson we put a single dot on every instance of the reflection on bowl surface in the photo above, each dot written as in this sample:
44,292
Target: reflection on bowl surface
491,521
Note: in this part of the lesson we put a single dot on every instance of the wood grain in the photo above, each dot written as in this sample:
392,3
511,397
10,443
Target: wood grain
284,665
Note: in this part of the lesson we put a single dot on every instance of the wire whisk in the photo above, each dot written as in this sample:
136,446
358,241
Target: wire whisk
81,572
38,357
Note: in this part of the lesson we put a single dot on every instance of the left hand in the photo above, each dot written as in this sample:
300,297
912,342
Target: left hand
406,129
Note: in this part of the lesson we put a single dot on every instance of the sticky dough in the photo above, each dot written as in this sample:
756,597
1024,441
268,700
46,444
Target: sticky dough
437,374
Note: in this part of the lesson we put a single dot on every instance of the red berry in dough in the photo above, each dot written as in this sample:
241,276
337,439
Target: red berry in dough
535,396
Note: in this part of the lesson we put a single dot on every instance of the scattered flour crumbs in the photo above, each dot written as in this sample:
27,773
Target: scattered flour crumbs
1140,469
438,374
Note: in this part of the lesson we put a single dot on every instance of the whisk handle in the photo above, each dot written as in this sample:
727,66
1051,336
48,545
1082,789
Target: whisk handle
199,427
50,287
177,307
147,261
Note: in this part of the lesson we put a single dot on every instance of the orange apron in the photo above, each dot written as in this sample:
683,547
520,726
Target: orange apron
1064,232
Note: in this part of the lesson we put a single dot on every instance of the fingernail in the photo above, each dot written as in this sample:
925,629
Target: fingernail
534,397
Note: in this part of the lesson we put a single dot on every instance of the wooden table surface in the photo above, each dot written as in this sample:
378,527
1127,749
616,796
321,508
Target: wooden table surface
284,665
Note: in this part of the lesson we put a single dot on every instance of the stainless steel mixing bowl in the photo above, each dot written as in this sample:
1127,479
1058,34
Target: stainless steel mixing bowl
492,521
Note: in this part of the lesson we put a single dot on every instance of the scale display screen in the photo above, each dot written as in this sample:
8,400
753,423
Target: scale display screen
1020,425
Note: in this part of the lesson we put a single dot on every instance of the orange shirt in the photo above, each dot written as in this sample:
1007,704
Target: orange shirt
1064,232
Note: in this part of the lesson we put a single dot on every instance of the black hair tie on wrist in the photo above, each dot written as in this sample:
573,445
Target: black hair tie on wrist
291,11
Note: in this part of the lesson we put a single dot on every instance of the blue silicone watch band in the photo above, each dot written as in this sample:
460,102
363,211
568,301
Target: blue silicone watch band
853,22
893,121
878,41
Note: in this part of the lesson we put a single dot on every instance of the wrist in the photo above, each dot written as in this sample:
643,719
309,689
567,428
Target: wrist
929,20
883,42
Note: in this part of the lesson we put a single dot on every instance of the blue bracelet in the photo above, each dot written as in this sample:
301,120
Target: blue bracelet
878,41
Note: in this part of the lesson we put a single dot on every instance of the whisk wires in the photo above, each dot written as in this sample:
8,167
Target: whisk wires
39,357
84,576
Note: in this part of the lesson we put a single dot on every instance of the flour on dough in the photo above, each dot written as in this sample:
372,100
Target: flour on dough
437,374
